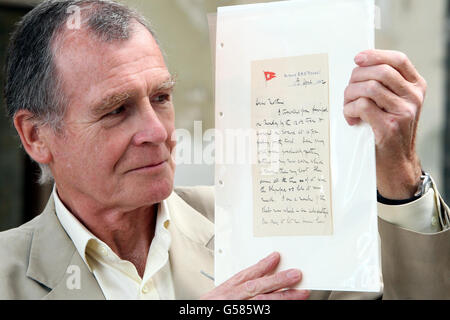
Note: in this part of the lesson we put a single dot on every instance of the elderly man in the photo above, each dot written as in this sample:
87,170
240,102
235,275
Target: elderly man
93,106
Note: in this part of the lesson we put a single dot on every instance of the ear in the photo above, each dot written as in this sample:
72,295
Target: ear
32,136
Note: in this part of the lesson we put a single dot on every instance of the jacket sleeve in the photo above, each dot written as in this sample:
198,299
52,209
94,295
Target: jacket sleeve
415,248
415,252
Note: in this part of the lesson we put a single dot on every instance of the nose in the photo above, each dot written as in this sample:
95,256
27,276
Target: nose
150,127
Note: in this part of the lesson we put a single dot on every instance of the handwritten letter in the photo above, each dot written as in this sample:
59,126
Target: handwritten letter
291,169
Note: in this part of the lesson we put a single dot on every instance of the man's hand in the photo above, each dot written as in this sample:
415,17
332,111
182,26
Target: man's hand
386,91
257,283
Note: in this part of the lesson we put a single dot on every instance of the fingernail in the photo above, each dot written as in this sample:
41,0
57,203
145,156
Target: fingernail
294,274
306,293
272,256
269,258
360,58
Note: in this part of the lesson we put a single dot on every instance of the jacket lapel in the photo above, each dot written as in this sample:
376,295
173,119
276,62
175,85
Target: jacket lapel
192,250
55,262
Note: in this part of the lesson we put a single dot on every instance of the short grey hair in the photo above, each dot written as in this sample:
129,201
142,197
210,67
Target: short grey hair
32,81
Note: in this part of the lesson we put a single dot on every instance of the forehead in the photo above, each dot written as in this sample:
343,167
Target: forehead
89,67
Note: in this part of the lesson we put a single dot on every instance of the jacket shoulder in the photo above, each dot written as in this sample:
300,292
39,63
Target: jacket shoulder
201,198
15,243
15,246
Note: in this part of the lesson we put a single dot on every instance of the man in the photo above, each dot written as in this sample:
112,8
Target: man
93,106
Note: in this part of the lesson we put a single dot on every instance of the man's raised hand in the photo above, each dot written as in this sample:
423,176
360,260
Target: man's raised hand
386,91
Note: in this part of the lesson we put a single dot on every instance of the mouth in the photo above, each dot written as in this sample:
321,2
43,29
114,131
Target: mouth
150,168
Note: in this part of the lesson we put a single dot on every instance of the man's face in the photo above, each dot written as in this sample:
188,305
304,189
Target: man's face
115,151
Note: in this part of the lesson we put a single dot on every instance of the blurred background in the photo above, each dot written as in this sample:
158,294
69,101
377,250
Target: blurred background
418,28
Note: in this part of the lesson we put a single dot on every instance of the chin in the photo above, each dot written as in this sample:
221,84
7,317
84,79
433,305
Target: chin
157,191
148,190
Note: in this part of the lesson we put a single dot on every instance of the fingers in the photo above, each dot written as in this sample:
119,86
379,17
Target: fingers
258,281
366,110
396,59
384,74
392,80
289,294
263,267
387,92
363,108
268,284
375,91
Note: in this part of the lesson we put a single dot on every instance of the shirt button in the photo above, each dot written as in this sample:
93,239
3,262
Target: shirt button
145,289
433,221
103,250
166,224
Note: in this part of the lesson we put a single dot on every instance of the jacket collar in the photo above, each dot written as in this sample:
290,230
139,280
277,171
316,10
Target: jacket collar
194,225
192,250
55,263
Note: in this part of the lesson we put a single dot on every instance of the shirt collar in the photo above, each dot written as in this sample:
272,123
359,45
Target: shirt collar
82,237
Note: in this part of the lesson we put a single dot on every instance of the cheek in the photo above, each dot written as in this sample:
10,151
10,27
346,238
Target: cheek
167,119
171,137
96,154
110,149
169,124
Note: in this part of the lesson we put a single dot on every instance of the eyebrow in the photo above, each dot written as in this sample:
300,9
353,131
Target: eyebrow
167,85
116,98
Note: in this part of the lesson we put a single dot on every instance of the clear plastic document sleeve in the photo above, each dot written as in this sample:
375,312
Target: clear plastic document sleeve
281,71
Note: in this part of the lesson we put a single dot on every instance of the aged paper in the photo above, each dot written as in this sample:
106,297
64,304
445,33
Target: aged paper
291,170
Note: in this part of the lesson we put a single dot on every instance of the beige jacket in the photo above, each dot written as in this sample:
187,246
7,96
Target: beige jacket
38,258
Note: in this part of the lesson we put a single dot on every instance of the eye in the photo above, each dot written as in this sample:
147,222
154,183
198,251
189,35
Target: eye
117,111
161,98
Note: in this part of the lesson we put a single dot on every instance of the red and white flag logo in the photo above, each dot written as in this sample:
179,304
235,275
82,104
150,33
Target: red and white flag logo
269,75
